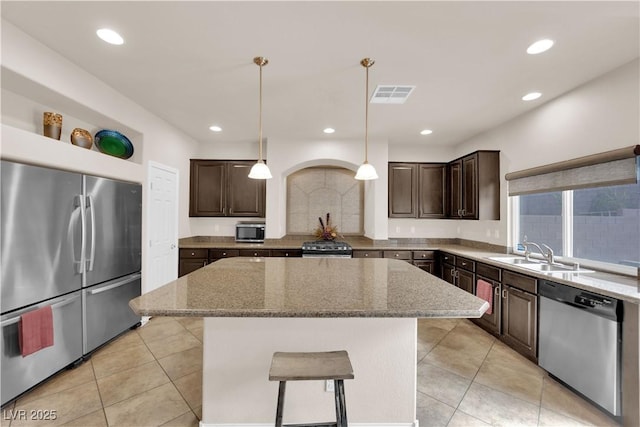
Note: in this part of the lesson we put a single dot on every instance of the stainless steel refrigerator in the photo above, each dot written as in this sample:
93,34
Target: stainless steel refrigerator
73,242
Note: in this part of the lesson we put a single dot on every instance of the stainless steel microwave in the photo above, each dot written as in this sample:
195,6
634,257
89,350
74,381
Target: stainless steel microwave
250,232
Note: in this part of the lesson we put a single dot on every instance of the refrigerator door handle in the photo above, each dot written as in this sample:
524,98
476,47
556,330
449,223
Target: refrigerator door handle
53,306
117,284
79,203
92,211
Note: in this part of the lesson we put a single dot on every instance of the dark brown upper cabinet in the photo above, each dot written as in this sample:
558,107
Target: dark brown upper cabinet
432,190
403,190
223,188
474,186
417,190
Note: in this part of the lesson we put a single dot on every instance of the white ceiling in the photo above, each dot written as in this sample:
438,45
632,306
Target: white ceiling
191,63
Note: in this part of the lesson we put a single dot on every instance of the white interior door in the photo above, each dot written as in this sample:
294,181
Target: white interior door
162,220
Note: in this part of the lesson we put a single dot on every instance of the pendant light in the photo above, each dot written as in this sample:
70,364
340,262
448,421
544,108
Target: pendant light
366,171
260,170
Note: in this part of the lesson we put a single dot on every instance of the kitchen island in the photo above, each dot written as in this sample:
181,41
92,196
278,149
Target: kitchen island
256,306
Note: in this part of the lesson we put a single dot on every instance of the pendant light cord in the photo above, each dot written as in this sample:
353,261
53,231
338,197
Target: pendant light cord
260,120
366,118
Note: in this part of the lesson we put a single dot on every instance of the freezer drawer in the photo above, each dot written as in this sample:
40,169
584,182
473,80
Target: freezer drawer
21,373
106,312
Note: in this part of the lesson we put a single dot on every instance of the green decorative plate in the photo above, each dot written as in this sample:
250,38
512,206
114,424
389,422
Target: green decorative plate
113,143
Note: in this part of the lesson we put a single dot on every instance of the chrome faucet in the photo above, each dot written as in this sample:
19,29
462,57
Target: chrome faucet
548,255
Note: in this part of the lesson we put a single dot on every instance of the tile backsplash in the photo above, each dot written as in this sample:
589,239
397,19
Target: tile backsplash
312,192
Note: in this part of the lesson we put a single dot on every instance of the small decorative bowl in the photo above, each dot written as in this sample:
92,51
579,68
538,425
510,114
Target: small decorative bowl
81,138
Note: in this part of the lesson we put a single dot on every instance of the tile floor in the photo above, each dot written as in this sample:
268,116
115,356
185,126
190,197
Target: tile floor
152,377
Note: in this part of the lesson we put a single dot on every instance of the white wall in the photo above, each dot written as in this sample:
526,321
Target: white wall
54,82
598,116
601,115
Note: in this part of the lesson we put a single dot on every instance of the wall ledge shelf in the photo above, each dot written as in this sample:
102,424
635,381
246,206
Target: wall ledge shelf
28,147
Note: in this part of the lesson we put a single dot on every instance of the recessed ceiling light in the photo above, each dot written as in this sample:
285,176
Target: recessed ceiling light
426,132
531,96
329,130
110,36
215,128
539,46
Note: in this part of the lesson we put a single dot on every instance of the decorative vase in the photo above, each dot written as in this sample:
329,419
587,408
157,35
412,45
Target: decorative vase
52,125
81,138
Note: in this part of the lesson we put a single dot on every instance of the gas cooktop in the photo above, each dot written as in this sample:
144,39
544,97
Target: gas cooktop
326,248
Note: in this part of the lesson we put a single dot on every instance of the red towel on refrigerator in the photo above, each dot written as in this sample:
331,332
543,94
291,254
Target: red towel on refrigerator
35,330
484,290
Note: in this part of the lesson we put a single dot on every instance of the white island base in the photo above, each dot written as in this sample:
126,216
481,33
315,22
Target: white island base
237,355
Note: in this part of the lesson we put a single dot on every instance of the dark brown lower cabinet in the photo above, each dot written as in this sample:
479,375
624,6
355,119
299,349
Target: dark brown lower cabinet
428,266
519,321
191,260
366,254
492,275
255,252
286,253
449,273
465,280
216,254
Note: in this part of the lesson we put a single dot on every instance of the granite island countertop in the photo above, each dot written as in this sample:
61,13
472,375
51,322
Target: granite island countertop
309,287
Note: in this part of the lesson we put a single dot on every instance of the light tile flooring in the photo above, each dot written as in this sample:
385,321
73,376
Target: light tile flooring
152,377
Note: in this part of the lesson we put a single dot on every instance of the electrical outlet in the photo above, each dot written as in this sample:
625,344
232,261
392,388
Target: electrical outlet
328,386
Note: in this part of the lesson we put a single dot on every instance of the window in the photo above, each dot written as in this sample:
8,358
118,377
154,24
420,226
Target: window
599,224
541,219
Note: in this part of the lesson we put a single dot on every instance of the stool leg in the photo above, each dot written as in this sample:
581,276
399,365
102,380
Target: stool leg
280,408
341,405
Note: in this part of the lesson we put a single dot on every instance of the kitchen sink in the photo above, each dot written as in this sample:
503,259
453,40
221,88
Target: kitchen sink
535,265
513,260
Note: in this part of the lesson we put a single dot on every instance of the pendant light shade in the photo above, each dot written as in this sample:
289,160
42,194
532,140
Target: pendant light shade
366,171
260,170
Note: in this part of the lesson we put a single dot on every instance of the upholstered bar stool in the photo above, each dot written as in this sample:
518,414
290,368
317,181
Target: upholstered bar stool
329,365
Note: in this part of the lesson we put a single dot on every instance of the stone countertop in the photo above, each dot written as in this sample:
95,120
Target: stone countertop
295,242
309,287
613,285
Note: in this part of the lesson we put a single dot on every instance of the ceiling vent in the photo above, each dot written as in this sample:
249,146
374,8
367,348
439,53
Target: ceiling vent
388,94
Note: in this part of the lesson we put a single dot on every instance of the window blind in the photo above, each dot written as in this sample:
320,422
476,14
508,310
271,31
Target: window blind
614,167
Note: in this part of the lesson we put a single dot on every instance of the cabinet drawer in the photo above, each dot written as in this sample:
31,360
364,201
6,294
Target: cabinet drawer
194,253
254,252
222,253
424,255
286,252
447,258
526,283
406,255
367,254
489,272
466,263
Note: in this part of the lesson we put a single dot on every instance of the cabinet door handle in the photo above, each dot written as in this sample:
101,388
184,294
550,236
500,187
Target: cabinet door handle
255,254
453,273
366,255
496,291
424,255
504,293
224,254
397,255
464,264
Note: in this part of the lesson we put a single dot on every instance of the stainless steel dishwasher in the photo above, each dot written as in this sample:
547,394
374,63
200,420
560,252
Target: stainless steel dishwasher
580,342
